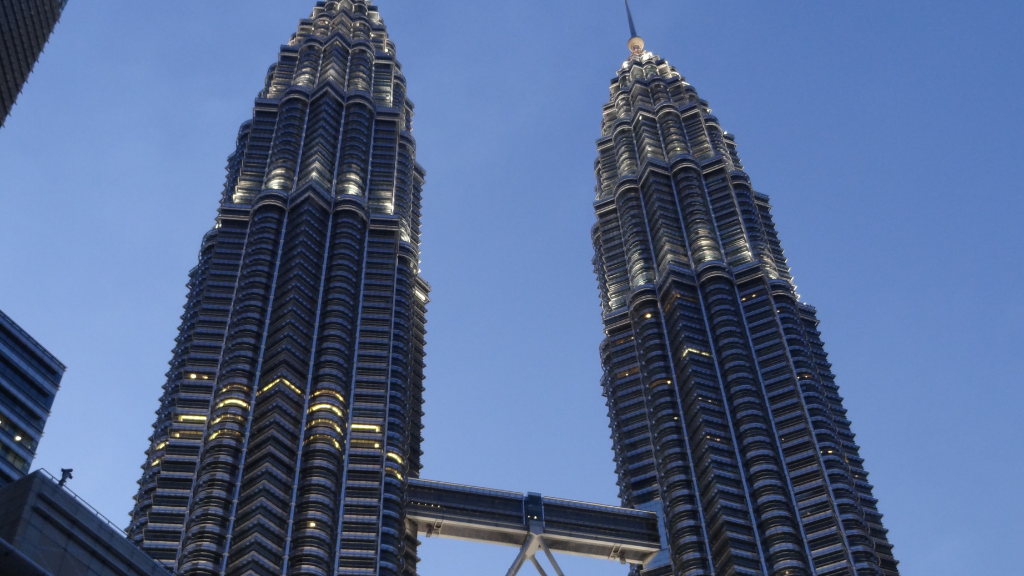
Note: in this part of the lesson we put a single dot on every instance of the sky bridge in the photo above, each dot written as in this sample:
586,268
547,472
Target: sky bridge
532,522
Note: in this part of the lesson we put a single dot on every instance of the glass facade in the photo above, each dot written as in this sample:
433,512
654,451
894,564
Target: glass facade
726,419
29,379
290,420
25,26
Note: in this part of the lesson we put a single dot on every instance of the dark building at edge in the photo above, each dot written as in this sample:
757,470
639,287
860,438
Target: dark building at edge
29,379
25,26
47,530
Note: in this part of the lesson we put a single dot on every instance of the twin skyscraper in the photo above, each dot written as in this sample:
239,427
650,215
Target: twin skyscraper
289,430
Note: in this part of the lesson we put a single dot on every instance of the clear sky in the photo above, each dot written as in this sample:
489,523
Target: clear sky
888,135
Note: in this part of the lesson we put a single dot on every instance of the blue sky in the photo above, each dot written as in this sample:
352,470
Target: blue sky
886,133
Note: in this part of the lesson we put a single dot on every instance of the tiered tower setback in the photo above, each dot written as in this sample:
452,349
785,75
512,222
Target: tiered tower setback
290,420
725,416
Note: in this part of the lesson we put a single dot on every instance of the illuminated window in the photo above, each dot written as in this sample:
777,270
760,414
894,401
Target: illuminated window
280,381
331,407
233,402
323,422
330,393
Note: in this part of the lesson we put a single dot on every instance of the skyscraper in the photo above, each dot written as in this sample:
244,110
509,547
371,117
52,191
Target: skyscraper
25,26
726,418
290,419
29,379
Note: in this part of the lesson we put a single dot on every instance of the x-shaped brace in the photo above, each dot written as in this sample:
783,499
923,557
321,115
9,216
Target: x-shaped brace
534,543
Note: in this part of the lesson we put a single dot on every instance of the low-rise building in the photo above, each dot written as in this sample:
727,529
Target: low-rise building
47,530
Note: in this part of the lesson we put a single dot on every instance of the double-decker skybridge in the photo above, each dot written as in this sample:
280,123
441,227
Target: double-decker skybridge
532,522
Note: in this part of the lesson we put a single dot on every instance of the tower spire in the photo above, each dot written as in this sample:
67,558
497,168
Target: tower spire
632,28
636,43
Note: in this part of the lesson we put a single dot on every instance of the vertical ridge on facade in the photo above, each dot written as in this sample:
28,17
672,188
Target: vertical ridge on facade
725,416
290,421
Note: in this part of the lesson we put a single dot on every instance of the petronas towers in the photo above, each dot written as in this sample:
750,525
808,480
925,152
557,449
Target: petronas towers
288,435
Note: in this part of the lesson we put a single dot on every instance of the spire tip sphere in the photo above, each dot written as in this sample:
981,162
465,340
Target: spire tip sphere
636,45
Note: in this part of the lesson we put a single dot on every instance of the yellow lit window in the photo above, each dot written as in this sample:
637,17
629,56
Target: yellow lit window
368,427
324,406
191,418
324,438
330,393
233,402
395,457
323,422
229,417
283,382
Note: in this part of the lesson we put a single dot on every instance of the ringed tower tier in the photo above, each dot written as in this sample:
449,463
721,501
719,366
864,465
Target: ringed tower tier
726,419
290,420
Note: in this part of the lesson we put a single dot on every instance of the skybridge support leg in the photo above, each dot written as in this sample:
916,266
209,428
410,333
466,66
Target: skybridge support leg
534,543
527,552
551,557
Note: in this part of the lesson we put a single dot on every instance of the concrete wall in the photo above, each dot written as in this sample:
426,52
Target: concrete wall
62,536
